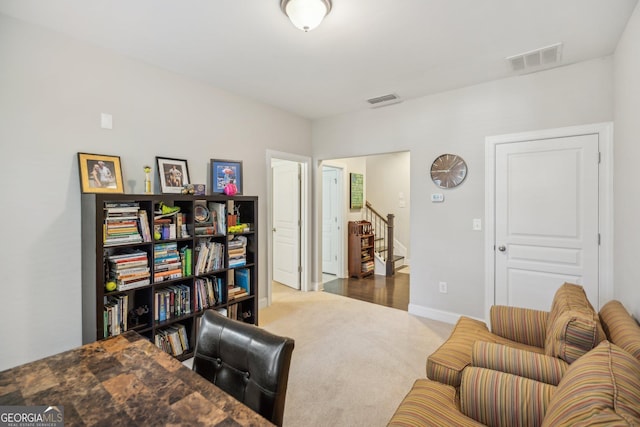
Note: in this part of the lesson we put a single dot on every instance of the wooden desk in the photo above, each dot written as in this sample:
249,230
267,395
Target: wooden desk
125,380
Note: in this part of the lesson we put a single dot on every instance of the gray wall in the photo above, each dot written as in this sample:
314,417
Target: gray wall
627,153
443,245
53,91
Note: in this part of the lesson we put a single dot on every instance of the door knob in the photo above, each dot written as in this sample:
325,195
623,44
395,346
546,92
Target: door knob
273,229
502,248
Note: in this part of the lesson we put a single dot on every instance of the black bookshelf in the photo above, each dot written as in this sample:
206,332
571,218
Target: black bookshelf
195,260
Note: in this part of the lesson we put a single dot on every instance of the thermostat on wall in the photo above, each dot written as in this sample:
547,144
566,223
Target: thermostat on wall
437,198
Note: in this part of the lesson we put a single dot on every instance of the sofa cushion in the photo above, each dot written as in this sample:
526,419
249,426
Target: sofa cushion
503,358
620,327
447,362
430,403
498,399
600,388
573,326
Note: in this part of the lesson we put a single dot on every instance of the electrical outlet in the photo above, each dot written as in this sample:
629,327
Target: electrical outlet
443,287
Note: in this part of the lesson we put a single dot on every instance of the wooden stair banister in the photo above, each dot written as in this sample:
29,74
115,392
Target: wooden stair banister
384,233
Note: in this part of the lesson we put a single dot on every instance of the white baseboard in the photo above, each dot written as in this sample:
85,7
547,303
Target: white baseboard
263,303
439,315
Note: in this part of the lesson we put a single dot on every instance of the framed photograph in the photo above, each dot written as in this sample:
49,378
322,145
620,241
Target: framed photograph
225,172
357,184
100,173
173,174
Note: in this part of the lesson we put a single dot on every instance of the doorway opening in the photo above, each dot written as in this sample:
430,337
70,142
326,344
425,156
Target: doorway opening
288,221
386,187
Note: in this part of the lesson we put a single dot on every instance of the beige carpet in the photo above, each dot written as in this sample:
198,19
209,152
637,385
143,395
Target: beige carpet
353,361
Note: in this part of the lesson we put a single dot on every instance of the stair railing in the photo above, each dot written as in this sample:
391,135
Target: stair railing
383,229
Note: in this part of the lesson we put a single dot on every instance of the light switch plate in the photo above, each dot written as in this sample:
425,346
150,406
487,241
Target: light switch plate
106,121
477,224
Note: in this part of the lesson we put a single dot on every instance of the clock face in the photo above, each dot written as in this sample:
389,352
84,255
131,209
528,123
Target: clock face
448,171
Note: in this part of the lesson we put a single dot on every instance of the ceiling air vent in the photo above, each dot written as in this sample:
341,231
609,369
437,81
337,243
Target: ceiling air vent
383,100
537,59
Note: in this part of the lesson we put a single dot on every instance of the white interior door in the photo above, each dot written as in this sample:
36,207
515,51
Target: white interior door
546,219
286,223
330,226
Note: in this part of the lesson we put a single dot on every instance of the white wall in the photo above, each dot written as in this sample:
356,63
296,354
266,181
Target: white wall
53,91
443,245
627,153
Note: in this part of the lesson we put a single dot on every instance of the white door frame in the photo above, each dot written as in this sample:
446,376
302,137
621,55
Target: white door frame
305,217
605,189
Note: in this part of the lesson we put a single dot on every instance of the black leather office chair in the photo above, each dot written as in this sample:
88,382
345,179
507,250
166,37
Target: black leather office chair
247,362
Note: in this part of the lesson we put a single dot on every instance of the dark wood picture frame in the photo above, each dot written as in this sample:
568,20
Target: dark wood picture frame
100,173
224,172
173,174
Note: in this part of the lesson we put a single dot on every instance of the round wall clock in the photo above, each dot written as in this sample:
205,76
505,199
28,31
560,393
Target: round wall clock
448,170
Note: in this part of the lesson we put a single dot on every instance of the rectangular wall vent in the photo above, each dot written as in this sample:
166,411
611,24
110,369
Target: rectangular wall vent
537,59
383,100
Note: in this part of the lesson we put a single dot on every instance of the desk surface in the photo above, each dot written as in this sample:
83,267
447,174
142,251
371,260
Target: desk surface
125,380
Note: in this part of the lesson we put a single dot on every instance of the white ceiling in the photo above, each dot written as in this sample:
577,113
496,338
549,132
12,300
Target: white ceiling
363,49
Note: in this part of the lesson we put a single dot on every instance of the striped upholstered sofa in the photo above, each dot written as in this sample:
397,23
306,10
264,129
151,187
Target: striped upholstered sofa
552,340
506,386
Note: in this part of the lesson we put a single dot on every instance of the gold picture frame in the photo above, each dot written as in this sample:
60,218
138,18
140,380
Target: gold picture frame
100,173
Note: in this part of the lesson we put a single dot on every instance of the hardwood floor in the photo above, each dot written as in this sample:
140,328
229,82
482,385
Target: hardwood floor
388,291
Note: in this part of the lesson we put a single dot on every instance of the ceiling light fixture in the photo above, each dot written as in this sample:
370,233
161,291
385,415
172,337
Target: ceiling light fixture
306,14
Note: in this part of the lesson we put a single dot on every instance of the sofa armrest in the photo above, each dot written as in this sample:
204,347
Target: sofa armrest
522,325
519,362
495,398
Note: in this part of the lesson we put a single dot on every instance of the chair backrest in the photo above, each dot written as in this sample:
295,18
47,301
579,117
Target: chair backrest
247,362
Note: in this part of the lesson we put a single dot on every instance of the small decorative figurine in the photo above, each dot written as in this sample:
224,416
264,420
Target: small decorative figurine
137,313
230,189
147,179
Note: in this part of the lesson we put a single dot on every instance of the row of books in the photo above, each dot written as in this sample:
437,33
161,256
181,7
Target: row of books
167,263
125,224
173,339
115,314
208,292
209,257
172,302
129,269
365,255
236,292
368,266
237,251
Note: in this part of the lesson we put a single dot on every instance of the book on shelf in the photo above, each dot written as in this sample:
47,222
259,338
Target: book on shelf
236,292
167,262
115,314
121,287
145,230
243,279
219,217
185,257
209,257
129,269
121,225
207,292
173,339
121,207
